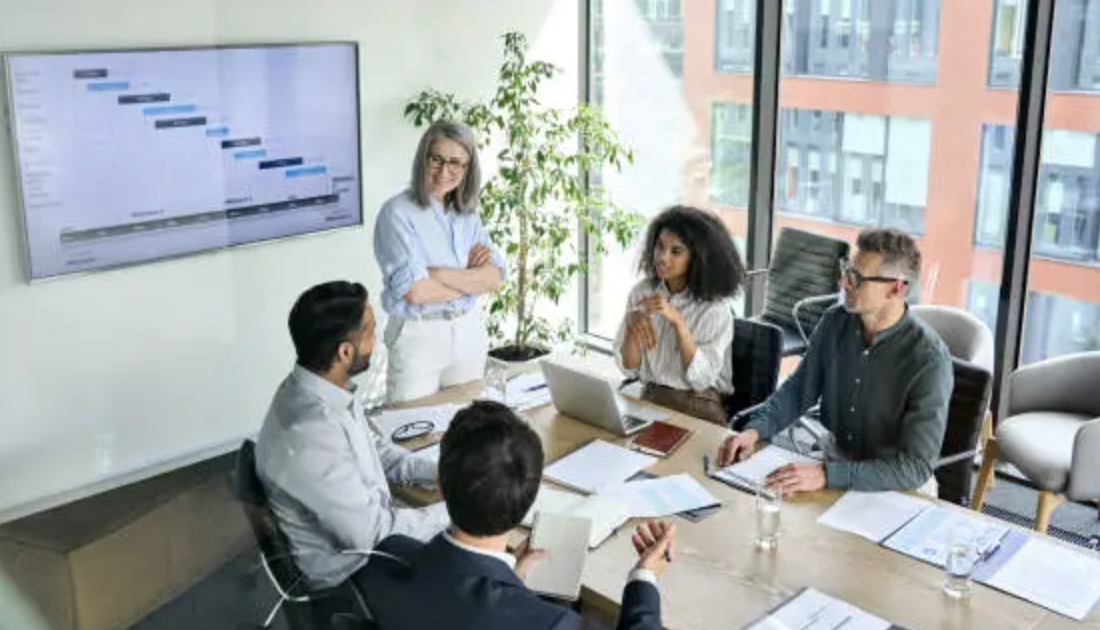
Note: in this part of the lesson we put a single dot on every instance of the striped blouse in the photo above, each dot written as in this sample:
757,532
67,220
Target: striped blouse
711,326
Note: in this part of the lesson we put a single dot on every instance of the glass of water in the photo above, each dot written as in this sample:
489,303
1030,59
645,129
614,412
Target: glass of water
768,507
496,380
962,556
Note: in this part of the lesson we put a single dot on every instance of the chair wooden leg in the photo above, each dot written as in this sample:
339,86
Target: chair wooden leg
989,457
984,439
1048,501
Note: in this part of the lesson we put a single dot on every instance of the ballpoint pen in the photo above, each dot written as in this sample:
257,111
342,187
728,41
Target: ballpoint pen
706,465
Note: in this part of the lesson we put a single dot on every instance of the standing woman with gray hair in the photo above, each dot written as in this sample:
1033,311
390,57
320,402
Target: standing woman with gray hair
436,259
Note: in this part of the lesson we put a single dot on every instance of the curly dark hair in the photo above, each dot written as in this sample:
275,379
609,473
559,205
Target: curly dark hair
715,270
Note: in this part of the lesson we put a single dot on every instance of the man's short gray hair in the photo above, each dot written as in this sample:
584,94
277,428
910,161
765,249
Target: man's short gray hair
899,251
463,198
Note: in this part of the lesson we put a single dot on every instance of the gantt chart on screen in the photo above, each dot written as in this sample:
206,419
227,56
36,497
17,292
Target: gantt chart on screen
126,157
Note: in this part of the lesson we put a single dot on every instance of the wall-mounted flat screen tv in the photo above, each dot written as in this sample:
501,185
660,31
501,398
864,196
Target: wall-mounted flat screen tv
131,156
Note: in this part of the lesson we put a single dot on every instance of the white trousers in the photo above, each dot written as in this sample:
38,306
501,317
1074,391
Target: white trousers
426,355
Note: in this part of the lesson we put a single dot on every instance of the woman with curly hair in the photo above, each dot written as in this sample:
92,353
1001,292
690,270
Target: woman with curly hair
677,331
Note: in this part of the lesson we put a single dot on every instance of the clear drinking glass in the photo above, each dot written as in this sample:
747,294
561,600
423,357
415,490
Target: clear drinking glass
768,508
962,556
496,380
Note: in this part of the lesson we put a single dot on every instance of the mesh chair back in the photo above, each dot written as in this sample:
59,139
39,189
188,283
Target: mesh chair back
757,353
803,265
273,544
969,401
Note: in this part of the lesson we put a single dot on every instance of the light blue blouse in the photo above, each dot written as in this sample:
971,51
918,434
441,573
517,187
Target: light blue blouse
408,239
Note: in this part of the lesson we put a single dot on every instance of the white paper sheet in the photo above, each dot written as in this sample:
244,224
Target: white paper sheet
663,496
753,471
565,539
553,501
392,419
814,610
596,466
872,515
1064,580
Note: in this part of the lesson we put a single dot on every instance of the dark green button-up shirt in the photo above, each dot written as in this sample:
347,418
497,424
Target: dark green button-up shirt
885,402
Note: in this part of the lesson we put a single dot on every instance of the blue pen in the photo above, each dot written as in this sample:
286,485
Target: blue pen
535,388
706,465
992,549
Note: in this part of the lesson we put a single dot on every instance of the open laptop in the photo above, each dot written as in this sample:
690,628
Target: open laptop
593,400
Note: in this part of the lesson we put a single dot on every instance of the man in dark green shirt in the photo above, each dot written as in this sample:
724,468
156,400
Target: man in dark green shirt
882,378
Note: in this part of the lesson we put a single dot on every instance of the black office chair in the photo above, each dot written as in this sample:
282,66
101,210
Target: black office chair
803,282
338,608
969,404
757,353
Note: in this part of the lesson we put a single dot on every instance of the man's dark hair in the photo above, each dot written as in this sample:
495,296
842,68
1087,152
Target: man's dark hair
899,251
715,270
490,466
323,318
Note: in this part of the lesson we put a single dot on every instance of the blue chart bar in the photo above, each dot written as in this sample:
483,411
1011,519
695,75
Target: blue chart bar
217,132
169,109
109,86
309,170
248,155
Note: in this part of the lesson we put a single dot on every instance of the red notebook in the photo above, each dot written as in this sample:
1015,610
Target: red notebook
660,439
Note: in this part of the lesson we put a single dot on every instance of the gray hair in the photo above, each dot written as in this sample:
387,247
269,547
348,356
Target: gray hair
899,251
464,198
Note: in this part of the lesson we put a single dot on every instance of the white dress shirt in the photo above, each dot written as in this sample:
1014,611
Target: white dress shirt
327,475
711,326
643,575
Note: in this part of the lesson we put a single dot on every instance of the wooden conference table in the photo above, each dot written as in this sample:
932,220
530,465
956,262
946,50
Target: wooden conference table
719,581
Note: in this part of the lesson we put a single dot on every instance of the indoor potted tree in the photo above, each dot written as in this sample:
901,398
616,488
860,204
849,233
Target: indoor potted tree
537,203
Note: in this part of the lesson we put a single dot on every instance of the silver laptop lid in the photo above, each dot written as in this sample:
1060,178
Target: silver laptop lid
585,397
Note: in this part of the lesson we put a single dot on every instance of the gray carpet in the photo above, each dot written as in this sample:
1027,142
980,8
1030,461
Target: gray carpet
238,597
235,597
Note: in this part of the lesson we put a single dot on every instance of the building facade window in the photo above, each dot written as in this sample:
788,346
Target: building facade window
1067,213
1075,45
1054,325
854,169
876,40
731,148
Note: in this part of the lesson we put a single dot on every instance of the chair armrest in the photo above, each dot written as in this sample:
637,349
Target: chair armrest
956,458
739,419
1084,475
810,300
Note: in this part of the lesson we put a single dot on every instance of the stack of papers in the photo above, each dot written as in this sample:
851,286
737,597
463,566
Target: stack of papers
605,512
751,473
928,536
523,392
1037,569
663,496
873,515
1043,572
810,609
597,466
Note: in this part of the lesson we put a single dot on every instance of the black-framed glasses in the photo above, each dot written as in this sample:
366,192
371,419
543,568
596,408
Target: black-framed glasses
856,279
454,165
413,430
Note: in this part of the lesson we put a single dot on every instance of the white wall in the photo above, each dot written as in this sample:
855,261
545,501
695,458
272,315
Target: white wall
106,377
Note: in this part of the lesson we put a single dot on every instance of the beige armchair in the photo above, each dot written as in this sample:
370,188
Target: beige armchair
1052,432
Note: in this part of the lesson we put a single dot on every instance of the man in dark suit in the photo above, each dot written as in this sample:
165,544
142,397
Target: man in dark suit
490,467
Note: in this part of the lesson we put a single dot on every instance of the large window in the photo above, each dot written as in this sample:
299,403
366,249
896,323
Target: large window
920,136
877,40
642,53
1067,212
1053,324
1075,46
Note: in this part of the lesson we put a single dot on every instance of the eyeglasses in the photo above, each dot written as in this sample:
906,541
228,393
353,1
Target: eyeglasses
412,430
454,165
856,279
